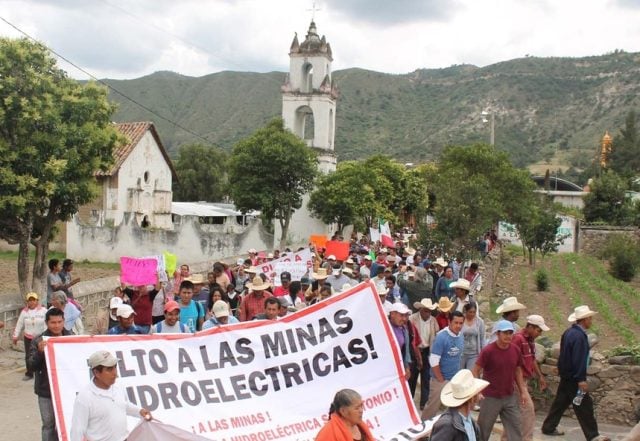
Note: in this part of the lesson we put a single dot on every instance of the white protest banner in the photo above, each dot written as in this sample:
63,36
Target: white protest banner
252,381
296,269
303,256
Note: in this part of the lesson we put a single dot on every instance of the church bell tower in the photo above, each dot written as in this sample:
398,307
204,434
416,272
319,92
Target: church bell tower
309,110
309,96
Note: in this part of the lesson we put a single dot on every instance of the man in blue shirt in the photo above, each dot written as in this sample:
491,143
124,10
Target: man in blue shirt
191,312
572,366
125,324
444,359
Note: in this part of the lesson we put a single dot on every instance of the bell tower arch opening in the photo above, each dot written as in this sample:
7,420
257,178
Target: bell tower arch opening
307,78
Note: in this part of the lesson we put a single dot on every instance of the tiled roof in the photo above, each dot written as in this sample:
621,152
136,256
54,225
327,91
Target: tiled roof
134,131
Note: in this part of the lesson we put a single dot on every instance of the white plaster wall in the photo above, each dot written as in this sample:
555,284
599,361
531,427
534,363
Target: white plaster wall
188,241
321,67
324,114
146,156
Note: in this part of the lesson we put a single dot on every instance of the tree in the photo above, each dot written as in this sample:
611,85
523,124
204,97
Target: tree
625,153
202,173
539,228
271,171
475,187
54,134
353,194
607,201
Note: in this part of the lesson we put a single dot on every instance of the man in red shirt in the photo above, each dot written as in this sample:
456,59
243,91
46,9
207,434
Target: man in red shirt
285,280
524,340
253,303
501,365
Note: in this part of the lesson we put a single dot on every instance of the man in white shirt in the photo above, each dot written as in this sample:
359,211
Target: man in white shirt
100,410
427,327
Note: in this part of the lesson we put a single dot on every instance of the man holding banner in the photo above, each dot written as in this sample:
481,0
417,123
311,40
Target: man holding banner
100,410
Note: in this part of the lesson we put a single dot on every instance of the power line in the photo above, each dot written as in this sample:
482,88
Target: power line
109,86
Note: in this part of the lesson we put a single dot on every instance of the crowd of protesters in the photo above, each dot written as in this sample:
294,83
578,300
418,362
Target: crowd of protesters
430,301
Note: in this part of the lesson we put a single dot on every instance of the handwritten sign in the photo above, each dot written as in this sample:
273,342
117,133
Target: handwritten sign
137,272
303,256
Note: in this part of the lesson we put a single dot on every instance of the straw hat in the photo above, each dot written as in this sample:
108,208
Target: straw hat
462,387
462,284
510,304
251,269
345,287
424,303
196,279
581,312
440,261
257,284
321,274
410,251
444,304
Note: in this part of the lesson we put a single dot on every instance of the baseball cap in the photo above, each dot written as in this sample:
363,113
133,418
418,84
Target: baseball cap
400,308
171,305
124,311
537,320
331,257
240,262
115,302
220,309
285,276
102,358
367,257
503,326
32,295
305,281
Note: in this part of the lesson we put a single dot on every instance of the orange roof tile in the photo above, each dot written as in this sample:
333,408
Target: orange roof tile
134,131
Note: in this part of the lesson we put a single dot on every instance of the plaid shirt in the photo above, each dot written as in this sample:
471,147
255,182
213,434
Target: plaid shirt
528,349
252,305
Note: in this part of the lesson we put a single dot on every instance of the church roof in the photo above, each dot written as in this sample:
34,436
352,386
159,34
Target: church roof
134,131
313,44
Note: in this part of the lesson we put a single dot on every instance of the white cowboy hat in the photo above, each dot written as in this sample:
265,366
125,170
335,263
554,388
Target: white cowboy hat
424,303
581,312
410,251
381,289
462,387
440,261
510,304
251,269
321,274
345,287
537,320
462,284
257,284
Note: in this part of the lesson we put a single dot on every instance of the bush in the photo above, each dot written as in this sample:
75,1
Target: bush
624,256
542,280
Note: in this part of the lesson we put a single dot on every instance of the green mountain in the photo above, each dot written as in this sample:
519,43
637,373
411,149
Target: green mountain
541,105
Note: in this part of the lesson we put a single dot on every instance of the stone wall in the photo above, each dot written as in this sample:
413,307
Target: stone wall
94,296
591,238
614,384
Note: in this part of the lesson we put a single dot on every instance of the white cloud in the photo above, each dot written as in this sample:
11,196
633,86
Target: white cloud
126,39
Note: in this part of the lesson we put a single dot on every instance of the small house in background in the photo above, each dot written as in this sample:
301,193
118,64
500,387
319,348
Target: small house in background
139,182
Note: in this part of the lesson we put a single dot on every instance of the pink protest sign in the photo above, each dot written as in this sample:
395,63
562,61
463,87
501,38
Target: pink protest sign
138,271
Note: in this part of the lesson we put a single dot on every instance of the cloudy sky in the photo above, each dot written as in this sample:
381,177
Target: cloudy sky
131,38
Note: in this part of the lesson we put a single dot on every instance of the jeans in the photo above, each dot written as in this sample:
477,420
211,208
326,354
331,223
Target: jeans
567,390
424,377
468,361
49,432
